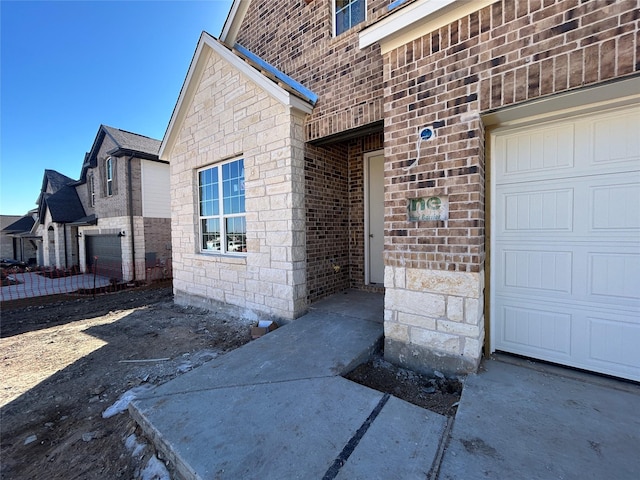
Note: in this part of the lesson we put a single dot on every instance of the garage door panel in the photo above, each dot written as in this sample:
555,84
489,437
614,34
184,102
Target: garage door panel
615,137
543,150
538,210
615,205
622,340
565,247
614,275
537,270
535,331
601,341
591,276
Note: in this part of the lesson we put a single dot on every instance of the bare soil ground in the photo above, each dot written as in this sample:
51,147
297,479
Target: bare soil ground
64,364
65,360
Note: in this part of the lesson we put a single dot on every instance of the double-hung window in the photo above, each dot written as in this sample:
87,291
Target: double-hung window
348,13
92,191
223,225
109,171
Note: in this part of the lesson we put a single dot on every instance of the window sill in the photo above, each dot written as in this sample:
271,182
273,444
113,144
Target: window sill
237,258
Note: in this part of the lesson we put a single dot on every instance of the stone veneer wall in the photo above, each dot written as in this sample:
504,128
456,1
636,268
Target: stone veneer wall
231,117
502,55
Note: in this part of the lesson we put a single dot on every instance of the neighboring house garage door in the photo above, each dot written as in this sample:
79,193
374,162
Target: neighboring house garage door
108,251
566,242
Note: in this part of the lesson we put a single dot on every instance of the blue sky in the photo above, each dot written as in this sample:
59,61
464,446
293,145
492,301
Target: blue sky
69,66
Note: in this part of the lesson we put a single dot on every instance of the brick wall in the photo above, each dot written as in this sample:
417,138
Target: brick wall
157,238
347,80
327,214
505,54
502,55
116,204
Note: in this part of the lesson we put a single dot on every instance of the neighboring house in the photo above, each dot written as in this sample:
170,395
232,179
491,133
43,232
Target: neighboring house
476,161
58,207
18,242
115,219
124,188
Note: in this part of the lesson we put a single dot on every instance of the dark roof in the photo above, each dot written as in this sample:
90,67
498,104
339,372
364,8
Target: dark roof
127,143
24,224
64,205
133,141
56,180
88,220
62,200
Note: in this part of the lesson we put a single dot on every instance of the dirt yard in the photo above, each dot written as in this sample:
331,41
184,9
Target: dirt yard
65,364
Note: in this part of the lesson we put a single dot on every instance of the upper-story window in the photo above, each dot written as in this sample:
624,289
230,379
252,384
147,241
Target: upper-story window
223,226
92,190
109,176
348,13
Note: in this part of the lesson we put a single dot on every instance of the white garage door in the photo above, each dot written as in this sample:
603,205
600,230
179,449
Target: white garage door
566,242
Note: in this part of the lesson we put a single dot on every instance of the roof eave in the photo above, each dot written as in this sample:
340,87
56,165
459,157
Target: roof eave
195,70
234,19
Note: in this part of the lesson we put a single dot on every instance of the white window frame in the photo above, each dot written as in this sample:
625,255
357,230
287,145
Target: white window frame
108,168
92,190
222,216
334,14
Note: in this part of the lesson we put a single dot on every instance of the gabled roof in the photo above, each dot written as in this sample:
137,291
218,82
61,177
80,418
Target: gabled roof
21,225
62,201
278,85
127,143
133,142
55,180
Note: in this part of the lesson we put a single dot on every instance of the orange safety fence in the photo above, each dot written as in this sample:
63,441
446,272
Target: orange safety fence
20,282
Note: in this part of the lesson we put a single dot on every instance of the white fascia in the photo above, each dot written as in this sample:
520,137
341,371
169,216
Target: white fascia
416,20
195,72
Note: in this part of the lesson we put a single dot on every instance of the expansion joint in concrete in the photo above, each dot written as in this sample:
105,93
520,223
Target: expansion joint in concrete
445,438
351,445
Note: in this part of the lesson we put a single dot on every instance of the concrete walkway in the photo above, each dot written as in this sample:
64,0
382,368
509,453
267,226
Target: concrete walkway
277,408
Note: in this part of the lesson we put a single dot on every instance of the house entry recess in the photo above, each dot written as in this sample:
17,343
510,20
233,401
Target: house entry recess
374,218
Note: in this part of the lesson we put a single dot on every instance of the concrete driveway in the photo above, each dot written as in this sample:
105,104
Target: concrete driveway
524,420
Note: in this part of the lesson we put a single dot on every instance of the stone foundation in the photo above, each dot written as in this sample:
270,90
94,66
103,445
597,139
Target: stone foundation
433,320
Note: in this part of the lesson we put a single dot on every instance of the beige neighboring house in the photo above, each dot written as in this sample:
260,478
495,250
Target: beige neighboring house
115,219
477,162
17,243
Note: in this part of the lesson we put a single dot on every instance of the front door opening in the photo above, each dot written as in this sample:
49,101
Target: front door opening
374,218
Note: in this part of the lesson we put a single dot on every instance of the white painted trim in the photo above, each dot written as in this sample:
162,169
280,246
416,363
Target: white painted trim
416,20
366,166
193,77
333,17
234,19
603,97
584,100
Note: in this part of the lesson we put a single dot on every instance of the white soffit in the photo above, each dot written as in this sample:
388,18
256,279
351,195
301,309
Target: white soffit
416,20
